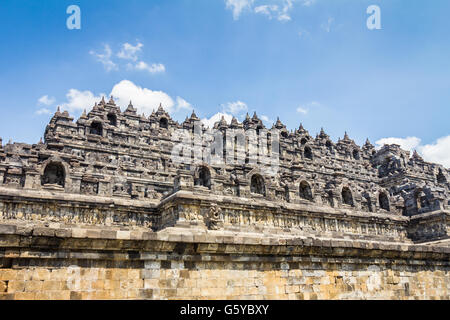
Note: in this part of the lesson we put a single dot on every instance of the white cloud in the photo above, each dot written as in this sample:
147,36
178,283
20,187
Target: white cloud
305,108
279,9
105,58
327,25
235,108
79,100
216,118
43,111
237,6
283,15
267,120
438,152
145,100
182,104
129,52
409,143
274,10
302,110
46,100
153,68
267,10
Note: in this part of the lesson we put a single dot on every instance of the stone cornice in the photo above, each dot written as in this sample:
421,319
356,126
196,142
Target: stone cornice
57,243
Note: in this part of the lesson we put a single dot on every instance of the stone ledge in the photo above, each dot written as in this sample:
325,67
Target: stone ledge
271,205
24,195
45,238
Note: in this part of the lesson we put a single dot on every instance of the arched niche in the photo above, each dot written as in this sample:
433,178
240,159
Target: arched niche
203,177
356,155
383,200
112,119
308,153
421,199
329,145
163,123
54,174
96,128
347,197
305,191
441,177
257,185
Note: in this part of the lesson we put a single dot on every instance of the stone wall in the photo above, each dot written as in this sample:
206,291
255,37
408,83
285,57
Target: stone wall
101,210
39,262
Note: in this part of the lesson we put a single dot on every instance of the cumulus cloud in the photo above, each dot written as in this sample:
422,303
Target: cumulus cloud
183,104
409,143
237,6
130,53
46,100
153,68
235,108
144,100
105,58
79,100
438,152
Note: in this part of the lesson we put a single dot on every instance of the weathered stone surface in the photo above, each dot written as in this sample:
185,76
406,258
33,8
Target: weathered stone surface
100,211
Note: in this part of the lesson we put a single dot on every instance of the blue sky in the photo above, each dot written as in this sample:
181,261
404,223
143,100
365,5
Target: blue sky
309,61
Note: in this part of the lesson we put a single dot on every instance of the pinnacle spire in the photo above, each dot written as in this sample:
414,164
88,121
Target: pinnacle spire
416,156
346,136
193,115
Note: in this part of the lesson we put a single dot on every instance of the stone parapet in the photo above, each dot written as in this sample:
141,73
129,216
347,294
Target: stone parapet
38,262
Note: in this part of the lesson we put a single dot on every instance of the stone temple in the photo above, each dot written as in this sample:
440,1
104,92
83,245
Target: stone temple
98,210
